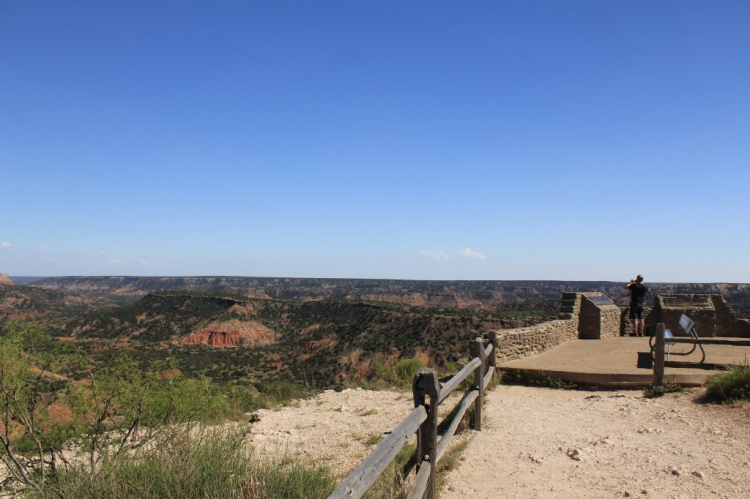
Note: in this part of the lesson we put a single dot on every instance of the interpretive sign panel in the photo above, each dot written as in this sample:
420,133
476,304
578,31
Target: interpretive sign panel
601,300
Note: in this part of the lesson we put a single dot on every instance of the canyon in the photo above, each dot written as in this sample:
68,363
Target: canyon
480,295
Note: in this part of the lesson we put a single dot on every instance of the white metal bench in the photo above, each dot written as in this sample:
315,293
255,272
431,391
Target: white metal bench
688,326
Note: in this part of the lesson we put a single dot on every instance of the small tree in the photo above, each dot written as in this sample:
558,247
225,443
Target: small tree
115,409
30,440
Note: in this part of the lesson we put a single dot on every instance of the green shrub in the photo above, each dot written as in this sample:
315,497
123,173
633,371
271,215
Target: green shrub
654,391
215,464
731,386
408,368
390,484
534,378
400,375
279,392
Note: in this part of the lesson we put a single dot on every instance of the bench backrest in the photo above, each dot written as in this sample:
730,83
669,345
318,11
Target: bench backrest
686,323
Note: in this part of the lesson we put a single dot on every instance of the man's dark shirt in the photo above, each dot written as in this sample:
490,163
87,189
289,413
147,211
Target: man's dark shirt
638,293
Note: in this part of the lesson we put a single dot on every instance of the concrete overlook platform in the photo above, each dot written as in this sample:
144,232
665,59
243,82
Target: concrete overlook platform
626,361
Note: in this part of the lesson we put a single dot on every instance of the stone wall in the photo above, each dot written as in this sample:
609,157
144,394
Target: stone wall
582,318
698,307
626,325
711,314
598,320
727,323
527,341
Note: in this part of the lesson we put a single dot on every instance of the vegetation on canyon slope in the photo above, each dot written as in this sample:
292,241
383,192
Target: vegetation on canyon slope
487,295
320,343
123,431
27,302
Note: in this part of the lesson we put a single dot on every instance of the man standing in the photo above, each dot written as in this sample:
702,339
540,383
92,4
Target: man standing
637,304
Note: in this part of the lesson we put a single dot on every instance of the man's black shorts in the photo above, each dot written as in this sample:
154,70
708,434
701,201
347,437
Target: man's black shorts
636,310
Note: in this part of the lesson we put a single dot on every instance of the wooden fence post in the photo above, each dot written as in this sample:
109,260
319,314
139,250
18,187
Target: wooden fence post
493,357
426,383
479,382
659,355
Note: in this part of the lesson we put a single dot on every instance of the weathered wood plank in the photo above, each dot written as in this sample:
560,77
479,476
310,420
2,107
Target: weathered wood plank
459,377
488,350
426,384
361,479
712,341
479,384
493,340
448,435
420,484
488,377
659,355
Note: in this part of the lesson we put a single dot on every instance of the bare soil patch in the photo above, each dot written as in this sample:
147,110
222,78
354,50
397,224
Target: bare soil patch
334,429
546,443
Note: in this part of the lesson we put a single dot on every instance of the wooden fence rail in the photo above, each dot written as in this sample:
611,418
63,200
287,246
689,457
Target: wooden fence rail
423,420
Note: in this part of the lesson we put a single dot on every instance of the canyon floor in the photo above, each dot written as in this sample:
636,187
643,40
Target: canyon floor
544,443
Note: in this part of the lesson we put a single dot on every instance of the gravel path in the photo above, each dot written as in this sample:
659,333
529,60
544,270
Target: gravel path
541,443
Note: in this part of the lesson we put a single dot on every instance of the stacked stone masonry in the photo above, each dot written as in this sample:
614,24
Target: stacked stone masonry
598,320
580,317
527,341
711,314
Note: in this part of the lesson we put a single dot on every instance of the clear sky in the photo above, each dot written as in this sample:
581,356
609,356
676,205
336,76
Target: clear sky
586,140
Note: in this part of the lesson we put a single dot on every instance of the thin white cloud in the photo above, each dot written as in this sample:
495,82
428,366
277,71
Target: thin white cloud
42,247
94,253
469,253
436,254
114,261
5,246
142,263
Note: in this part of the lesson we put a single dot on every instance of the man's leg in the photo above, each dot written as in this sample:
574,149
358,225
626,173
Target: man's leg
639,326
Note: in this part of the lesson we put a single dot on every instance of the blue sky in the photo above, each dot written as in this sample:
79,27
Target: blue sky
581,140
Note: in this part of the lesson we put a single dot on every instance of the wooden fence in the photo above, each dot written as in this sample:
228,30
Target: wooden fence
423,421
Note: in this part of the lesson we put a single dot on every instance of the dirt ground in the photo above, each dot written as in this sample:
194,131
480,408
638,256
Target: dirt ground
334,429
543,443
546,443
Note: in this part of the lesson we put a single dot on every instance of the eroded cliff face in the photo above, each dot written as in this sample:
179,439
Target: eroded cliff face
219,339
232,333
4,279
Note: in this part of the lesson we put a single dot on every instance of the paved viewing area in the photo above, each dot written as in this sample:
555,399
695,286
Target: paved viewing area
626,361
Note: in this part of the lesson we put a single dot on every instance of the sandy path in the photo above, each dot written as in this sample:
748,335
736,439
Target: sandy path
541,443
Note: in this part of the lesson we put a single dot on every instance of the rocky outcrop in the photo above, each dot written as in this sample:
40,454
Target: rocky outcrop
4,279
219,339
232,333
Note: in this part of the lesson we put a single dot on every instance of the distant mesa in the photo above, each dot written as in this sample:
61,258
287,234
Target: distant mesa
4,279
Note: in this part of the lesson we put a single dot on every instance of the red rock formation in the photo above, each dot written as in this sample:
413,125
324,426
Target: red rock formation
232,333
220,339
